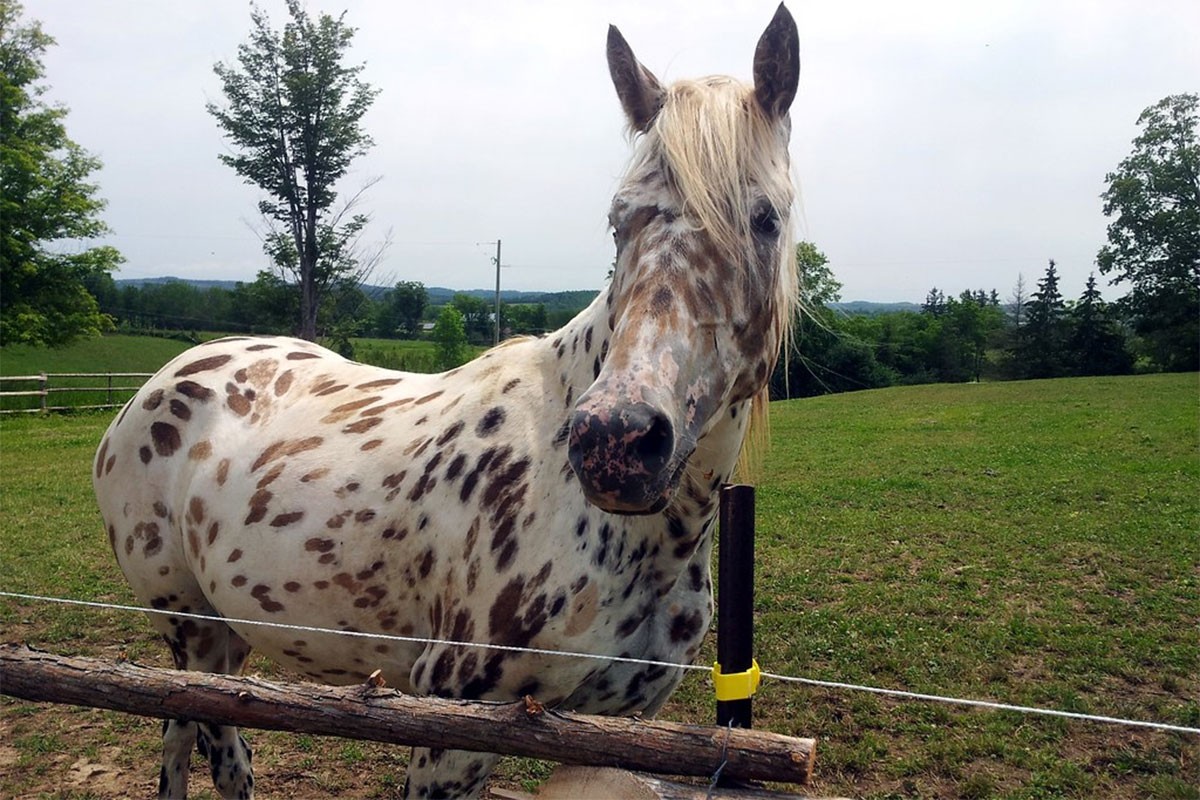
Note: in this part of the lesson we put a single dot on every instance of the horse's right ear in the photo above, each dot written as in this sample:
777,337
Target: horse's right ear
640,92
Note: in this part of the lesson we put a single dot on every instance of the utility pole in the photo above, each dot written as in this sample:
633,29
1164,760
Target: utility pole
497,337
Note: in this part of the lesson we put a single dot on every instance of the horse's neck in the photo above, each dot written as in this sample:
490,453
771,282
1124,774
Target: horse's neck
578,349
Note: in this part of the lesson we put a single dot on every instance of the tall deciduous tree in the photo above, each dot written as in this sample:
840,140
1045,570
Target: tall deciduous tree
45,197
450,334
402,309
294,119
1153,200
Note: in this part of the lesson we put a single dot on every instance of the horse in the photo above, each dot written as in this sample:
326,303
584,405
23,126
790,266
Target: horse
556,493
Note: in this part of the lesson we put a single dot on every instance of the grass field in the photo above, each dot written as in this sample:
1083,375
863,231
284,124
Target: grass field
1035,543
124,353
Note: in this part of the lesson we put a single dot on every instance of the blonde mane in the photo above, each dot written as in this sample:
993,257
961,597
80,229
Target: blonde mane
723,153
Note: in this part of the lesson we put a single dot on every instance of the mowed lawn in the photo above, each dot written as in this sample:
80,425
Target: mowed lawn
1035,543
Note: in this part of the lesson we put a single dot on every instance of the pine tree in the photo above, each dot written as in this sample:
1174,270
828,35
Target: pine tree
1042,339
1096,346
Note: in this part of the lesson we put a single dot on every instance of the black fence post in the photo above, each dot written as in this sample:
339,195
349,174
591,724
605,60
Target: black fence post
735,609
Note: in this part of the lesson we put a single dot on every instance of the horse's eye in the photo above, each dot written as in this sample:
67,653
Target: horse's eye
765,220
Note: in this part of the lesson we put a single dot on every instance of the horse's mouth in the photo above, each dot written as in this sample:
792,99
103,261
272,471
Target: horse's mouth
637,495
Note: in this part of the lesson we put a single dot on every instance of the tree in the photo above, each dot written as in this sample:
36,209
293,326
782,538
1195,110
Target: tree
818,287
477,316
450,335
822,358
1041,343
1018,300
525,318
1096,346
1153,200
935,303
402,309
45,197
268,304
294,118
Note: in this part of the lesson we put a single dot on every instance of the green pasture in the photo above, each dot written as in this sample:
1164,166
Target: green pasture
1035,543
146,354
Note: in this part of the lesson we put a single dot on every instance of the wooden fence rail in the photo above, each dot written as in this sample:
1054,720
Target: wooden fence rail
53,385
383,715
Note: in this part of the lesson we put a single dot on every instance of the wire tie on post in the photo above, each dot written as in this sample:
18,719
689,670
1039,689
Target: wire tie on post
736,685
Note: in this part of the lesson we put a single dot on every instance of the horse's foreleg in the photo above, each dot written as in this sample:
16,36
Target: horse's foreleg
435,773
179,737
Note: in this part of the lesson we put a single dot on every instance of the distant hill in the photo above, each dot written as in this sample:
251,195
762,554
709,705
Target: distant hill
438,295
554,301
868,308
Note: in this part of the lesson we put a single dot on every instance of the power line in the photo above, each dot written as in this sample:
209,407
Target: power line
896,693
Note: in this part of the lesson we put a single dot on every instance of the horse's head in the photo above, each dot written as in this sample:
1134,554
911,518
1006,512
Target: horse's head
704,282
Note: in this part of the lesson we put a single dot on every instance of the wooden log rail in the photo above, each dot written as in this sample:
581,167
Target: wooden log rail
384,715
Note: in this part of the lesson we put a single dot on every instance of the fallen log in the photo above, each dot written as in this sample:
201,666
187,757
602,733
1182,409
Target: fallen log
372,712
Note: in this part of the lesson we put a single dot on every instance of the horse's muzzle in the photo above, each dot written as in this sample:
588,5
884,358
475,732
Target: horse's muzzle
622,455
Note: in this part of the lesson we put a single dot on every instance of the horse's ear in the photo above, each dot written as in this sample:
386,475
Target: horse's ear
640,92
777,64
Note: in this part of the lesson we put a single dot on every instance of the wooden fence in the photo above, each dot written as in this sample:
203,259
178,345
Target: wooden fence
67,391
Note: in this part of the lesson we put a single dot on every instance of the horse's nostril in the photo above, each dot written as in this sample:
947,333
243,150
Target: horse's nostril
655,446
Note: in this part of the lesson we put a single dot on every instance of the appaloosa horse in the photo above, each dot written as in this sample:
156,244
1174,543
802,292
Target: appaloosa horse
555,493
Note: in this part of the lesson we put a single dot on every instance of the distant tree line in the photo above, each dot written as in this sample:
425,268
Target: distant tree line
270,305
974,336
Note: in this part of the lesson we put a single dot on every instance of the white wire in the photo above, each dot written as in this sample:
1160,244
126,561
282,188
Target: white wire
897,693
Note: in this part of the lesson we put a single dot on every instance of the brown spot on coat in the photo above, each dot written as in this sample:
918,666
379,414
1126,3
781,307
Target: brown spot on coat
283,520
237,402
100,456
153,401
262,593
362,425
379,384
196,509
194,391
144,454
283,383
166,438
284,448
339,413
222,471
203,365
272,474
432,396
490,422
258,506
300,355
200,451
180,409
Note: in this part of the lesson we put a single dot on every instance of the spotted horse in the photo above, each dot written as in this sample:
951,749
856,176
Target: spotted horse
557,493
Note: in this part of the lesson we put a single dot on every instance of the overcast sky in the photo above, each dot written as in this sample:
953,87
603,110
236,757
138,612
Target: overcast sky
948,144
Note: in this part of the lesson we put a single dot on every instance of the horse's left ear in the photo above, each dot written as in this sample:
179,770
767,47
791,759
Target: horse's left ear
777,64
